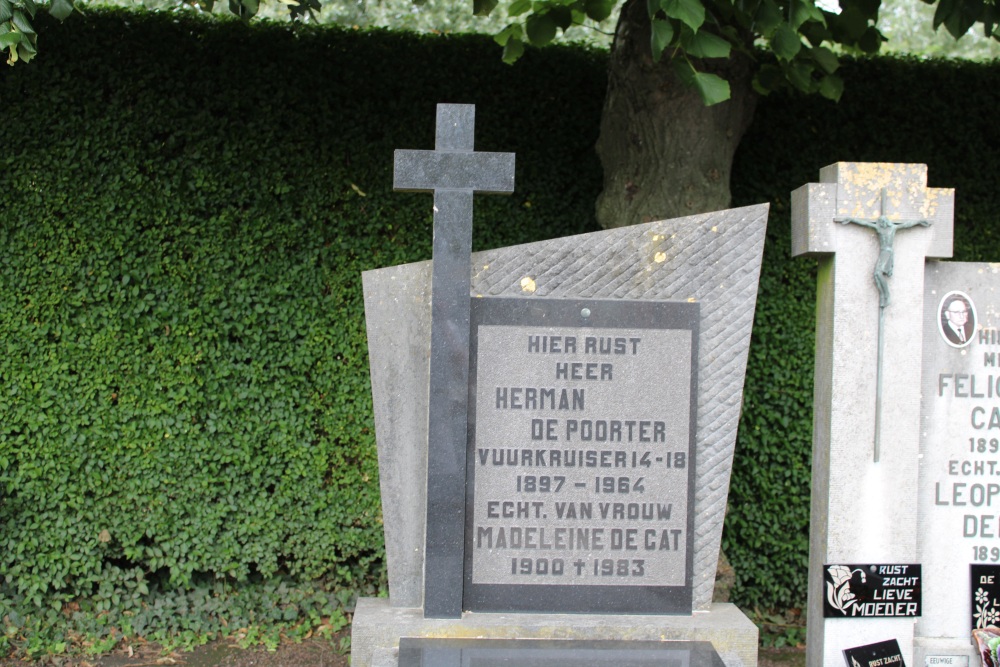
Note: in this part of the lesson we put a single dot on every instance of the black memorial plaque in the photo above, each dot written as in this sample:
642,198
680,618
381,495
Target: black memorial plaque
882,654
580,490
985,589
871,591
415,652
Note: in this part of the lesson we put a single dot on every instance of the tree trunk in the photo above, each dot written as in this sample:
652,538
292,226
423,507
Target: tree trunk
665,154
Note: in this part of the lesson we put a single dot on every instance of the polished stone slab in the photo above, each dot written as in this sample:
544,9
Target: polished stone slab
418,652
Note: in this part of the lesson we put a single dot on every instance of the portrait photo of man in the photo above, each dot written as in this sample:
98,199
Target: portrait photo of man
957,319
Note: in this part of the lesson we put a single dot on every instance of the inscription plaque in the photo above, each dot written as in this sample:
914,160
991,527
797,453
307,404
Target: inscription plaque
871,591
580,464
875,655
985,599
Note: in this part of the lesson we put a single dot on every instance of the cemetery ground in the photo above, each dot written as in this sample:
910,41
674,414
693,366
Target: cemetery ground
308,653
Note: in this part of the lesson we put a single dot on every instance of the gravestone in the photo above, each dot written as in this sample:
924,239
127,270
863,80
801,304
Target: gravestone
959,483
904,477
583,497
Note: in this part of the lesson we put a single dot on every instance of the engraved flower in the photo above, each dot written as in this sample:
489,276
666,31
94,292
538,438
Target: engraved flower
839,574
838,592
981,596
985,616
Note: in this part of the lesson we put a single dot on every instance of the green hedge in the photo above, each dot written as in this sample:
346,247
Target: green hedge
186,207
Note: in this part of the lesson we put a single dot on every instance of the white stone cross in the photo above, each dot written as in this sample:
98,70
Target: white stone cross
864,511
886,230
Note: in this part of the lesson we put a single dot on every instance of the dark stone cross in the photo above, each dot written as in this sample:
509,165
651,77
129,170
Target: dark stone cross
453,171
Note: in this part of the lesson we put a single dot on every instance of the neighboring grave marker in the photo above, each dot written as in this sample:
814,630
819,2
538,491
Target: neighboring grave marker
959,492
865,511
453,172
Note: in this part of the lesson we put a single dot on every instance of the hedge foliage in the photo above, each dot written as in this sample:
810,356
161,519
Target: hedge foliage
186,207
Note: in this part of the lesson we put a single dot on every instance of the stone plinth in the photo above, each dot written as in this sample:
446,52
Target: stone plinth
378,626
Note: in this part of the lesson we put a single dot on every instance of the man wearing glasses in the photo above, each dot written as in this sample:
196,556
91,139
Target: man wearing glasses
956,325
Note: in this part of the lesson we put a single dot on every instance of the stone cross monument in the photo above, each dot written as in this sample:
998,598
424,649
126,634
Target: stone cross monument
864,508
453,172
556,424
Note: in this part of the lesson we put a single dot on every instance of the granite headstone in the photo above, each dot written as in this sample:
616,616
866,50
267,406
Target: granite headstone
959,483
605,384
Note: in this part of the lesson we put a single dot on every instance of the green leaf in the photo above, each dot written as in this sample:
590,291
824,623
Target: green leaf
768,18
871,40
854,22
26,50
942,12
690,12
598,10
825,58
483,7
21,23
518,7
869,8
662,35
831,87
540,29
963,17
712,89
562,16
512,50
6,11
802,11
816,33
30,6
989,18
511,31
769,78
9,39
786,43
705,45
800,76
245,9
61,9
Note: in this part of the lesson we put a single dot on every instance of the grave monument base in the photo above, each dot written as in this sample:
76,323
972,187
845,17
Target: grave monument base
945,651
378,627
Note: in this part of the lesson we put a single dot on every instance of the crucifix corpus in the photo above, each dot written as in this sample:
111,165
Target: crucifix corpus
886,230
453,171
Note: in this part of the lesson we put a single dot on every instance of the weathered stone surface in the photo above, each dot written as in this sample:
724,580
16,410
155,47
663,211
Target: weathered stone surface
863,507
959,446
713,259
